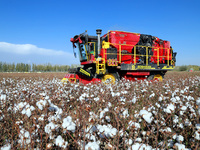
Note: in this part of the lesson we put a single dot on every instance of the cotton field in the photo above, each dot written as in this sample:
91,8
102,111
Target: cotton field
40,112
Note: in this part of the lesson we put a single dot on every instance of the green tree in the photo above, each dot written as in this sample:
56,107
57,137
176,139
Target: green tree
5,67
1,66
183,68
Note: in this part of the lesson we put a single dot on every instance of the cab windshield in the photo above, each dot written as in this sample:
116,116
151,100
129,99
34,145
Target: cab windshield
85,50
82,52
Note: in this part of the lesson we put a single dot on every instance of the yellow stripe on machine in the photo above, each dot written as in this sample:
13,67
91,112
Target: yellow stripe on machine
166,67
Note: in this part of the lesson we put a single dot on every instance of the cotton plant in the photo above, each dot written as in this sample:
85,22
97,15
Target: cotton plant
128,115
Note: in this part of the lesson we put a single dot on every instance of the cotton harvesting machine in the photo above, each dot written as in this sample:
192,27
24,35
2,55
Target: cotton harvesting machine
119,54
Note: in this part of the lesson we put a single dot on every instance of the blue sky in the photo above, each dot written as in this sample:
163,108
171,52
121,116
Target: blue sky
39,31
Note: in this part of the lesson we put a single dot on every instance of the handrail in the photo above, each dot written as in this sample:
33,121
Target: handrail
120,54
157,56
147,54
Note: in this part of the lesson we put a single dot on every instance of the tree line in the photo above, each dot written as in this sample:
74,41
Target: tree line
187,68
23,67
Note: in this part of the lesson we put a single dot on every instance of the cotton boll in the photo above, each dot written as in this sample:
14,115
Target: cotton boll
6,147
146,115
180,146
138,140
107,130
180,125
177,98
40,104
92,146
107,118
59,141
138,146
197,133
170,108
134,125
24,137
134,99
175,119
3,97
125,113
69,124
152,95
180,138
160,99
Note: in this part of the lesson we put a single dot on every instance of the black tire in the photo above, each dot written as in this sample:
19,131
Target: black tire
117,77
151,77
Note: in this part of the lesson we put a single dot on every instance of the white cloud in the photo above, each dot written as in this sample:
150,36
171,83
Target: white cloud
29,53
27,49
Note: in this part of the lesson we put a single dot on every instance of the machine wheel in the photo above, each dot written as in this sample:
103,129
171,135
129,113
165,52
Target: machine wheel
155,77
109,78
158,77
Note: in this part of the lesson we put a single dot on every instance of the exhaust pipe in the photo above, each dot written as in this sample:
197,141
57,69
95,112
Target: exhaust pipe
98,31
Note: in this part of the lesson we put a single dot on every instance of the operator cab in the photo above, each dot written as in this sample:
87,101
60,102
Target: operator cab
87,46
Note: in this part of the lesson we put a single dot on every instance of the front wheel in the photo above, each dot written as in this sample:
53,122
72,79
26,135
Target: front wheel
158,77
109,78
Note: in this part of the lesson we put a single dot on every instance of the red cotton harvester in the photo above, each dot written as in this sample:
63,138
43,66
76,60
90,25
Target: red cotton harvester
120,54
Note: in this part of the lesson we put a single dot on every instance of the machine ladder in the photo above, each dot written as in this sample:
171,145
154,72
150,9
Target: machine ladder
100,66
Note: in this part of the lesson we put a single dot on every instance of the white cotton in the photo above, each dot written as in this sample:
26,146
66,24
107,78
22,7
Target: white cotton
144,133
170,108
160,99
21,105
197,135
166,130
107,118
180,125
40,104
107,130
69,124
138,146
138,140
41,118
180,146
134,99
125,113
180,138
181,112
6,147
146,115
59,141
175,119
183,108
134,125
129,141
109,104
24,137
3,97
96,98
177,98
103,112
27,110
152,95
174,136
49,127
92,146
158,105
